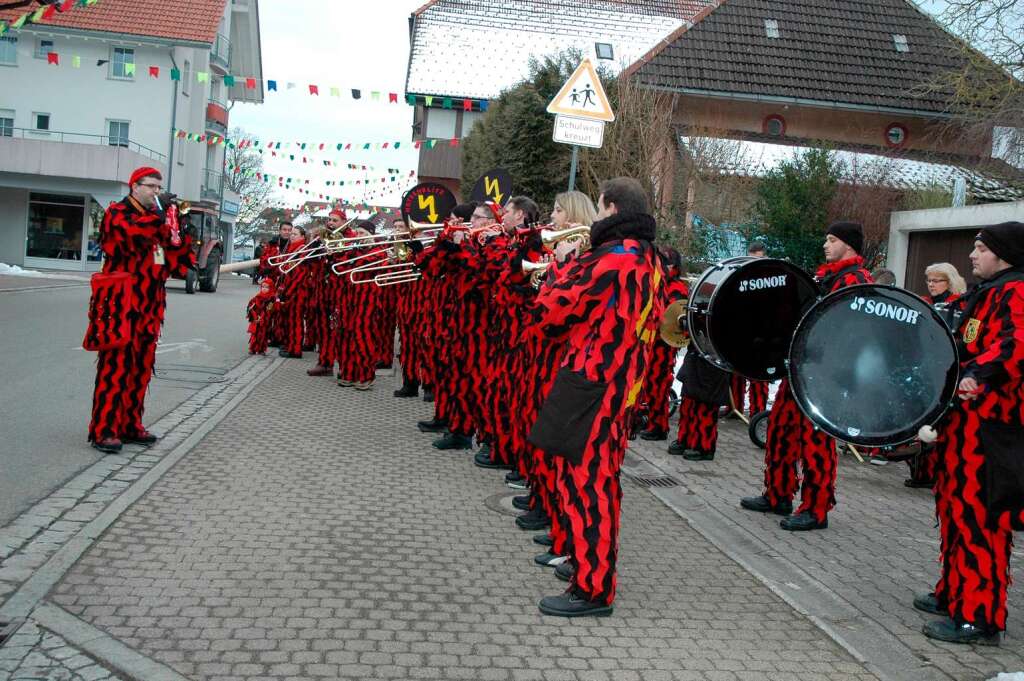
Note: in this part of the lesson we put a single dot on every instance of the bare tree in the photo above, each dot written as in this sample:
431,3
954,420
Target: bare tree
243,166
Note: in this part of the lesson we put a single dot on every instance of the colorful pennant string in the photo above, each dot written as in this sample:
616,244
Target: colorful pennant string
43,13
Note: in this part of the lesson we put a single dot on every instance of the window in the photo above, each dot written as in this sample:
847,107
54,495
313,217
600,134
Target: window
900,41
42,121
6,123
122,63
774,125
604,51
186,78
8,51
118,133
43,48
771,28
896,135
55,226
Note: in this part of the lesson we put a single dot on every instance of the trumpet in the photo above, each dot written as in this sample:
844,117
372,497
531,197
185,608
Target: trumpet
579,236
537,271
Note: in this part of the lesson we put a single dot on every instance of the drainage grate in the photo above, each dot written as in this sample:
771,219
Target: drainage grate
659,481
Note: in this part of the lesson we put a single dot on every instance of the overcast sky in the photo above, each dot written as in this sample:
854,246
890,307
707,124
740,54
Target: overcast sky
347,44
343,43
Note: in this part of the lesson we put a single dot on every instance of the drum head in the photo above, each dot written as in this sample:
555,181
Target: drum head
752,315
871,364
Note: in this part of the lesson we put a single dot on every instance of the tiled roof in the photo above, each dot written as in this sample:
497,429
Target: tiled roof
828,50
753,158
185,20
477,48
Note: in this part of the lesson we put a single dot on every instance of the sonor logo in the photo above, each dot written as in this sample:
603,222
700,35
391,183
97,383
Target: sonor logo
883,309
763,283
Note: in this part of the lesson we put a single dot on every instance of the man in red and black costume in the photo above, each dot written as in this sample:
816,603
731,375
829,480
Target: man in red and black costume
135,238
292,289
330,293
606,305
409,296
276,246
359,337
978,495
792,438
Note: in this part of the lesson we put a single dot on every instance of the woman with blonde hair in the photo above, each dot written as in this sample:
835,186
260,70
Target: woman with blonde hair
944,283
573,208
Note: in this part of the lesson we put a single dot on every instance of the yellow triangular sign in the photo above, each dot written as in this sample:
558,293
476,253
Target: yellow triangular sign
582,96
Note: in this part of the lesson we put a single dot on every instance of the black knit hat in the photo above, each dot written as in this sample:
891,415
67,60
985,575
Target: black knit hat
850,233
1006,240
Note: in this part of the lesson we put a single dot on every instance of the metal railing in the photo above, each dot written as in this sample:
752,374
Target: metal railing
83,138
211,183
221,50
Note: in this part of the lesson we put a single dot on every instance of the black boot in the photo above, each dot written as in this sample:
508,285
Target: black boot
428,393
454,441
762,505
803,522
565,571
677,449
963,632
522,502
533,520
410,388
930,604
653,435
570,604
434,425
697,455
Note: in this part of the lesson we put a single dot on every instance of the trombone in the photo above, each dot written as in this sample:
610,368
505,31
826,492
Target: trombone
314,249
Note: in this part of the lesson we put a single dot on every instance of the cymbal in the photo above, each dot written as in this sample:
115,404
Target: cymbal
672,323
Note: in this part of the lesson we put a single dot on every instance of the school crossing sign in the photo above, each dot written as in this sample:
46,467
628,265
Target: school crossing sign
581,109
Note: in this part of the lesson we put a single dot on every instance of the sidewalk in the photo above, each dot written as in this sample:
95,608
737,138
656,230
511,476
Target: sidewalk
314,533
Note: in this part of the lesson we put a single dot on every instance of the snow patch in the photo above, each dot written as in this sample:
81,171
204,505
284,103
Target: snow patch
15,271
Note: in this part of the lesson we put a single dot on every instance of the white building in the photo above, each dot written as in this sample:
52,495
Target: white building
71,133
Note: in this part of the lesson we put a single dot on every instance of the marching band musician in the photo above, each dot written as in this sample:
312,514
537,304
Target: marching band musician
979,500
358,335
291,298
135,238
276,246
606,305
658,383
258,312
314,317
408,297
756,392
792,437
329,292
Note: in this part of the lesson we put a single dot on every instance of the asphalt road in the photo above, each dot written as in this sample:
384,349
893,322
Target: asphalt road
46,379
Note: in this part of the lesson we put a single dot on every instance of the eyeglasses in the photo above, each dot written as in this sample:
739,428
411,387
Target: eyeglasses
157,187
935,281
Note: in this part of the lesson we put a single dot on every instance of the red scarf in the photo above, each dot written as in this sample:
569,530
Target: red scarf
832,268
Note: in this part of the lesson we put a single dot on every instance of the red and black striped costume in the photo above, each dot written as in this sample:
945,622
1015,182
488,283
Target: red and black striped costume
605,306
698,425
429,326
658,383
316,307
387,299
793,439
130,237
975,542
756,391
359,335
258,313
410,298
292,291
330,302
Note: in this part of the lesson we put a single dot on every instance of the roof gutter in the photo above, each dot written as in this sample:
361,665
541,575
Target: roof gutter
44,29
800,101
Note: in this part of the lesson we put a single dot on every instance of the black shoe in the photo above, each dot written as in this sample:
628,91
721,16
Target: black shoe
453,441
485,448
762,505
522,502
108,445
565,571
143,437
408,389
543,539
571,605
533,520
549,559
653,435
929,603
697,455
432,426
677,449
803,522
428,395
292,355
918,484
951,632
483,459
274,344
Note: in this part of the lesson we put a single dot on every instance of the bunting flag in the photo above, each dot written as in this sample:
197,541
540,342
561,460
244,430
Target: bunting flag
301,181
301,146
44,13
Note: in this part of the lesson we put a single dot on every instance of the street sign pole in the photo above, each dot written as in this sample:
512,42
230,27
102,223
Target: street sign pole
572,167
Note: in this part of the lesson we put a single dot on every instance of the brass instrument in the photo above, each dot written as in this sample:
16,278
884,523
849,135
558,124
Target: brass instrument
537,272
579,236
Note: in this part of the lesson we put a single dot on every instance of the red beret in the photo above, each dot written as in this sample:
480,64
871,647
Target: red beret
144,172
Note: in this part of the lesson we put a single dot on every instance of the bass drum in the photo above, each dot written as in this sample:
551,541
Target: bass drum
871,364
742,313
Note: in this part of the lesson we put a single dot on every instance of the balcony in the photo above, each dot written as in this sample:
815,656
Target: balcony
211,184
56,153
220,54
216,117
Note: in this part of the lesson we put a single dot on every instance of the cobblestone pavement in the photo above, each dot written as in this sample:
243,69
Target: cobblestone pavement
316,534
880,548
34,654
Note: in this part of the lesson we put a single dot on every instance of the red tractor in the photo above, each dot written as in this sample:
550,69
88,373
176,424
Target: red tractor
202,224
